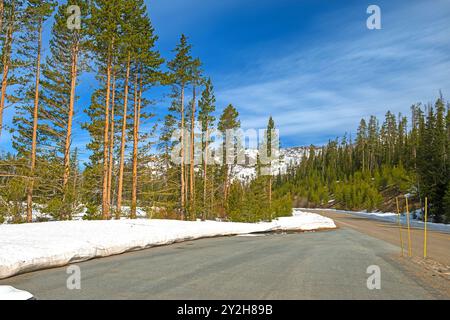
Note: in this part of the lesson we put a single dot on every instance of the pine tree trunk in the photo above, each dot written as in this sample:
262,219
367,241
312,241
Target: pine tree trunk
111,139
73,83
137,116
6,61
191,154
211,209
186,185
205,172
75,189
35,127
123,141
364,160
2,10
105,204
270,193
183,212
225,185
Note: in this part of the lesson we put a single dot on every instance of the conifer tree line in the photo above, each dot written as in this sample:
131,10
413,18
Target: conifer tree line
129,172
401,156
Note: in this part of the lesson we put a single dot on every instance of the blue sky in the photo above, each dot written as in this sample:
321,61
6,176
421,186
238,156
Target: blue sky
311,64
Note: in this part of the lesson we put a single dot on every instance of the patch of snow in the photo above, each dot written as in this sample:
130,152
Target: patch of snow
11,293
29,247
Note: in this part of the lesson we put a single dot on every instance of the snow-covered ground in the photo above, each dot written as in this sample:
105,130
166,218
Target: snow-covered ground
29,247
392,217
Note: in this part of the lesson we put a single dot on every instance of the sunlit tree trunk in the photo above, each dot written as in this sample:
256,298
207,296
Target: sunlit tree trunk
111,139
35,127
2,9
205,172
68,142
6,61
123,141
191,154
211,209
137,116
183,202
270,194
105,204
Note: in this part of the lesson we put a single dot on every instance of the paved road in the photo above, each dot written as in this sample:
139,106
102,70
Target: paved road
438,242
321,265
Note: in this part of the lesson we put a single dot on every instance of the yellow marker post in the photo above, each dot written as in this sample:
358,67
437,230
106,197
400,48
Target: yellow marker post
425,235
399,225
409,228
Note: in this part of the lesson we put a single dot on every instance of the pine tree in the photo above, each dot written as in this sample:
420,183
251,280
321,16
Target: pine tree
12,14
402,142
169,194
128,52
361,144
417,125
147,62
181,76
104,28
269,147
235,202
35,14
206,118
94,126
373,143
228,121
123,136
389,137
112,138
60,73
425,154
166,144
439,170
196,79
2,11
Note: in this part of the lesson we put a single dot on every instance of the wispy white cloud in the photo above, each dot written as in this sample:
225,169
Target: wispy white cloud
316,79
323,90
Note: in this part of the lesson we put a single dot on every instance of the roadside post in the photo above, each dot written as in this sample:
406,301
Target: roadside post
409,228
425,230
399,225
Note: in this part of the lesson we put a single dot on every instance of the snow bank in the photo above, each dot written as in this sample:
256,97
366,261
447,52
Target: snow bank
29,247
11,293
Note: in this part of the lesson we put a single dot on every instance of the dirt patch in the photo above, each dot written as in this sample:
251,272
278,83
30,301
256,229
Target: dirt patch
428,273
435,267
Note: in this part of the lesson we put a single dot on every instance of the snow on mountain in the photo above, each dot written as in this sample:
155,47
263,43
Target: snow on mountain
288,157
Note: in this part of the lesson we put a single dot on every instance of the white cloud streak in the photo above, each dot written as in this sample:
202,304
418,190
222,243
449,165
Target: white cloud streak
324,90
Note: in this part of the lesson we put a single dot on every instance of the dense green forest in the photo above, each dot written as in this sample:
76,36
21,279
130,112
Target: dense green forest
129,167
131,140
397,158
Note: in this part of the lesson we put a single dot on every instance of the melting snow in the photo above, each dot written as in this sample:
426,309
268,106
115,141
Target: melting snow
29,247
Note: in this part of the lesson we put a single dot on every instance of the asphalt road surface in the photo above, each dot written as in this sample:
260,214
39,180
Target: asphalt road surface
438,243
317,265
